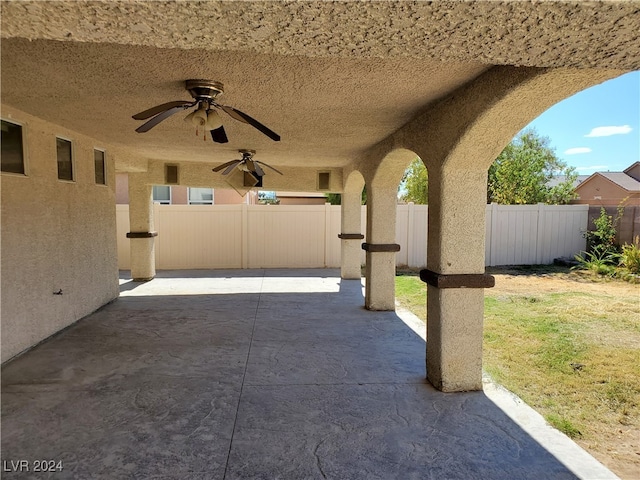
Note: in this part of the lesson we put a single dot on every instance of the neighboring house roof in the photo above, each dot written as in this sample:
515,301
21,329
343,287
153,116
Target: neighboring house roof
622,180
558,179
633,170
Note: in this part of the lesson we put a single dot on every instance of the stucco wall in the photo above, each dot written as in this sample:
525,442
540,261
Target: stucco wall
55,236
225,196
122,189
602,192
179,195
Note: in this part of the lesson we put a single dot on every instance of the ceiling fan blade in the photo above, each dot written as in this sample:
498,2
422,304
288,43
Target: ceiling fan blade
218,135
243,117
258,169
269,166
161,108
233,113
145,127
234,164
224,165
250,165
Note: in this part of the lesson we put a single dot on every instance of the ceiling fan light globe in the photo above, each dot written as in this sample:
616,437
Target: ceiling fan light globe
189,118
199,118
213,120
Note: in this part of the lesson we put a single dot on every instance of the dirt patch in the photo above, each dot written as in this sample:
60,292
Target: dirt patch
554,279
617,451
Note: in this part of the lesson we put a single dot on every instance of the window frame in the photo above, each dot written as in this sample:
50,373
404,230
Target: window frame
195,202
25,165
104,166
73,166
161,202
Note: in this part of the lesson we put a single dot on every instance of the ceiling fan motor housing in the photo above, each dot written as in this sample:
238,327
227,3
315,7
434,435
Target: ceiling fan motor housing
204,89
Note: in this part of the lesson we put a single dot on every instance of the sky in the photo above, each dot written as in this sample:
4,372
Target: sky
597,129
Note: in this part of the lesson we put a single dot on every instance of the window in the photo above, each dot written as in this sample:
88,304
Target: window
65,160
162,194
100,166
201,196
12,148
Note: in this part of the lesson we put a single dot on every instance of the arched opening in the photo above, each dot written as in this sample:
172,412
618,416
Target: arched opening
571,364
548,336
381,245
351,225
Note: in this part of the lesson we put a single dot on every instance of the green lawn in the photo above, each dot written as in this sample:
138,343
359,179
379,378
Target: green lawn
567,355
411,292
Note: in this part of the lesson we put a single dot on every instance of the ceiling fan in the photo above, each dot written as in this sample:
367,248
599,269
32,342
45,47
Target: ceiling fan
204,93
246,163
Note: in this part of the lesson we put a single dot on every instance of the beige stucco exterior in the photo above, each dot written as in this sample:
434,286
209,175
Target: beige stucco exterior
56,235
351,226
122,188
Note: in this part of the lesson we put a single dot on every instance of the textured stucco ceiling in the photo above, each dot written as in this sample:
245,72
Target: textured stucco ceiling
332,78
325,109
549,33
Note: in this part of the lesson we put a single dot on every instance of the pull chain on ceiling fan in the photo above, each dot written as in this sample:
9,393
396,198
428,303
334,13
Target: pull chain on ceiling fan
204,93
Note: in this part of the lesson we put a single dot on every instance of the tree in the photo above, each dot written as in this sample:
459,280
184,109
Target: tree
522,171
333,198
336,198
414,186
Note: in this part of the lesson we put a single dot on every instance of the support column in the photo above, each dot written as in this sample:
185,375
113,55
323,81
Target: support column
350,238
141,225
456,278
381,249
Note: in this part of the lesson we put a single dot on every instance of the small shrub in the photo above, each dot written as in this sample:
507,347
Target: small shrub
602,263
627,276
602,240
630,256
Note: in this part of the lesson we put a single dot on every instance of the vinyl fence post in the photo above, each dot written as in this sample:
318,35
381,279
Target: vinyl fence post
540,247
327,232
493,236
244,231
411,255
157,226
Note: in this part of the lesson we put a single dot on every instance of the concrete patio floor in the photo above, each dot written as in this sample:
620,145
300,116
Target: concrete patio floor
265,374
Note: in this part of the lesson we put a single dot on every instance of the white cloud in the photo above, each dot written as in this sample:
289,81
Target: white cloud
576,150
593,168
610,130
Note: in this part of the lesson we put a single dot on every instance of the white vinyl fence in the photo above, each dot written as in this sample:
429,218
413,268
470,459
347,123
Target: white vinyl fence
306,236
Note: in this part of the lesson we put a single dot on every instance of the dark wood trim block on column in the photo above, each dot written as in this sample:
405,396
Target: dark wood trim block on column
142,234
466,280
351,236
381,247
